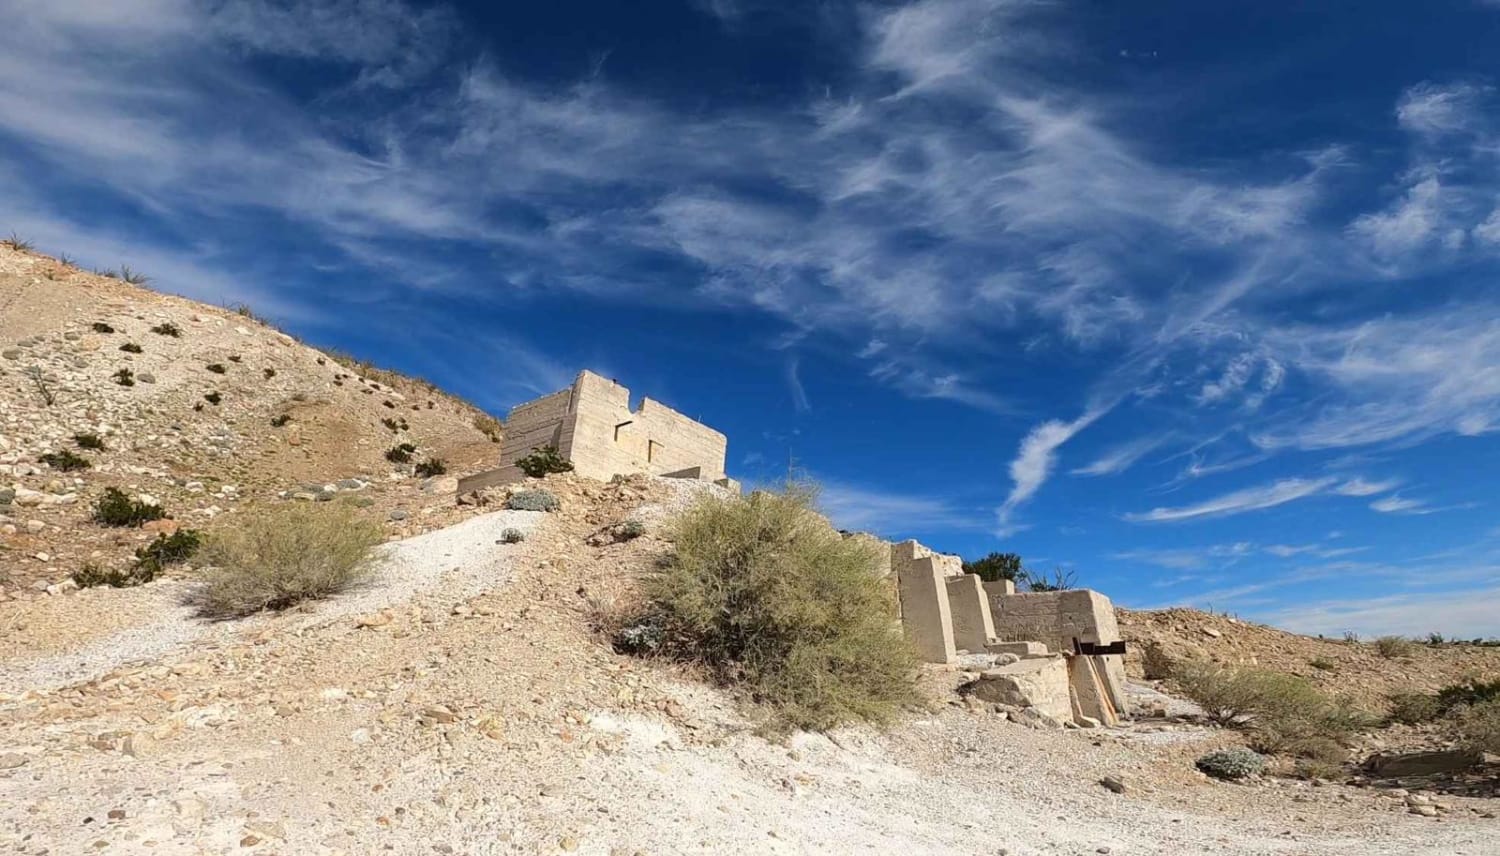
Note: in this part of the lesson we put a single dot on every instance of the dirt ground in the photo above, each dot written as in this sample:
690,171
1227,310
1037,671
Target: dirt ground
463,703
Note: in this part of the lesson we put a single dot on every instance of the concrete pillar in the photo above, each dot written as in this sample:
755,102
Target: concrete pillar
926,616
972,627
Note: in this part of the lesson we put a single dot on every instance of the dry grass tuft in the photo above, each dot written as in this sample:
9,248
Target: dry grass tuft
1283,714
282,556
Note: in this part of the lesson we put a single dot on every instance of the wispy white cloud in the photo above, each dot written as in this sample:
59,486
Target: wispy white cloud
1360,486
891,513
1468,613
1122,457
1033,464
1239,502
794,385
1396,504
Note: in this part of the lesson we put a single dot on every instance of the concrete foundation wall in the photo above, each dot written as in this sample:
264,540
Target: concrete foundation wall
926,618
1055,618
593,426
972,628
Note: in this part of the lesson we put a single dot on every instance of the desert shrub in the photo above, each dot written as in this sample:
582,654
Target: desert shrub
997,566
630,530
116,508
1229,764
134,277
1061,579
488,425
544,460
431,467
1435,639
533,500
1412,708
512,536
1322,664
213,398
1156,664
171,549
280,420
1393,647
65,460
91,576
1311,768
216,368
1472,692
1283,713
282,556
641,638
1478,726
89,441
269,373
167,328
16,242
131,348
390,424
775,601
124,377
400,454
101,327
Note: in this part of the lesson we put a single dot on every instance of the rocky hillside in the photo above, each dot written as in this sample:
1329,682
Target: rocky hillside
1359,670
200,408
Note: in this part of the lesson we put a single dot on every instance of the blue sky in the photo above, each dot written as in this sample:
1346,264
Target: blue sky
1200,300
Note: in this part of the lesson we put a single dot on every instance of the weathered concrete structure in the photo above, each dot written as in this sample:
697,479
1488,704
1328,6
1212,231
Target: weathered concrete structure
1078,622
945,613
593,426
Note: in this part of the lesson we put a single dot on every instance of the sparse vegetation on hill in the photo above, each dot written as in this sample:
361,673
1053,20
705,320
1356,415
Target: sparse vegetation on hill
65,461
1280,713
89,441
997,566
773,600
533,500
281,556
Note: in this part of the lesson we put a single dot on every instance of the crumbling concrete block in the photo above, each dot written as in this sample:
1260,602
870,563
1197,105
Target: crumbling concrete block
972,628
1039,683
1020,649
1061,620
926,616
1000,588
906,552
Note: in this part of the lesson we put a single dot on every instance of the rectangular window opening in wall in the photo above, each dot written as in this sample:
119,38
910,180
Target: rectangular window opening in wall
619,426
652,447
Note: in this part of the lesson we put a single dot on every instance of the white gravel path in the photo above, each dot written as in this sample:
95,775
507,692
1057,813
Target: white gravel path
461,560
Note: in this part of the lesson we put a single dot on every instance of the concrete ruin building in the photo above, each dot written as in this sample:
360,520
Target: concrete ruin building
593,425
1057,652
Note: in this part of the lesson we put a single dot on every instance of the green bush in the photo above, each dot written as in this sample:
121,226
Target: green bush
997,566
170,549
1283,713
1412,708
1322,664
512,536
778,603
1479,725
89,441
1472,692
124,377
282,556
116,508
65,460
431,467
91,576
1229,764
629,530
167,328
544,460
400,454
533,500
131,348
1394,647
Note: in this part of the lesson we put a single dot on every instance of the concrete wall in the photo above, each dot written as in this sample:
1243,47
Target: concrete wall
926,617
1060,618
592,425
972,628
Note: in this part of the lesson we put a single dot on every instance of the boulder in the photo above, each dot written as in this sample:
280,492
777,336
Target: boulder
1395,765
